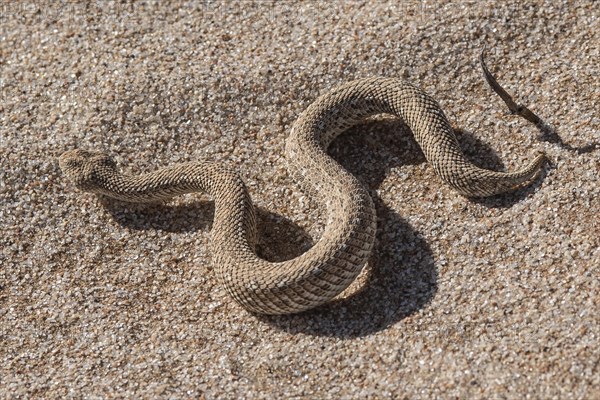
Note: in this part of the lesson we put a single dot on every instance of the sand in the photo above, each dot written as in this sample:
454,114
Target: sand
495,298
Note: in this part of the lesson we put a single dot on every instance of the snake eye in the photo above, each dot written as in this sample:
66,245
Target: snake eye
74,163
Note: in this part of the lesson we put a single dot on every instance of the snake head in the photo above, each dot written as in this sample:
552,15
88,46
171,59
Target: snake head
85,168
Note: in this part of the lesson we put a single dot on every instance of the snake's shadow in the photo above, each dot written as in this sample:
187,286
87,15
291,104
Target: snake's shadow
189,216
401,277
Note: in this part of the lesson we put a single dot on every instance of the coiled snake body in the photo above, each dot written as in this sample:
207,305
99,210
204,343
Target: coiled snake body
336,259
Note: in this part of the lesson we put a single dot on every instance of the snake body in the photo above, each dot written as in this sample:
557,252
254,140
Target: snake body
326,269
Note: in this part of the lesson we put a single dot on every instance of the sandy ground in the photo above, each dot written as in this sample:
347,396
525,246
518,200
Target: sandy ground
497,298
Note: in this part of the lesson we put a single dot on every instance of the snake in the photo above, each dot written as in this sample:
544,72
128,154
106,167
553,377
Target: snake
334,261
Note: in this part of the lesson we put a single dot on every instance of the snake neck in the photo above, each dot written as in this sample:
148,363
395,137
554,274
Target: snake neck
234,221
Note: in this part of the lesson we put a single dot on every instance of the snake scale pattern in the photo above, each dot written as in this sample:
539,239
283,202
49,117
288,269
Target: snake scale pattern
326,269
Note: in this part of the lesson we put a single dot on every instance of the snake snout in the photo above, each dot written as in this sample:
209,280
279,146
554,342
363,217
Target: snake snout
82,167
